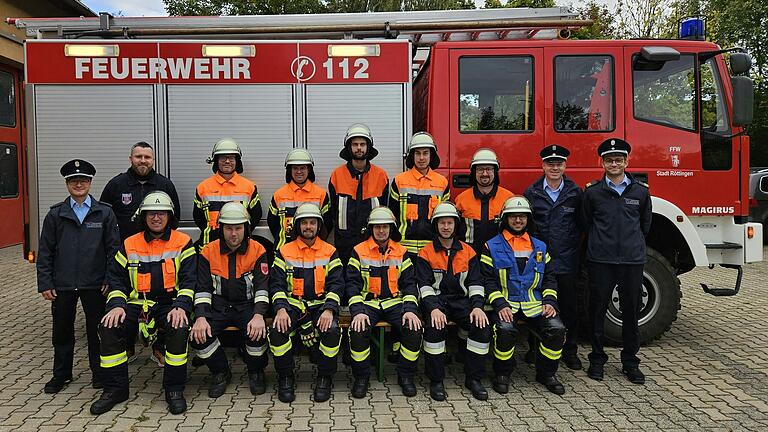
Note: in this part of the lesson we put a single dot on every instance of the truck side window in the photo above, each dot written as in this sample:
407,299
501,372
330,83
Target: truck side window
496,94
584,97
7,100
713,113
9,171
665,93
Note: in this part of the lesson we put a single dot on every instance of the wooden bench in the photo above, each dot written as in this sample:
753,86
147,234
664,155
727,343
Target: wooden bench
377,338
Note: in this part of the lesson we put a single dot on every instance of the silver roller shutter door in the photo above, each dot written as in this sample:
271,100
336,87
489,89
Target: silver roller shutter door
258,117
98,123
332,108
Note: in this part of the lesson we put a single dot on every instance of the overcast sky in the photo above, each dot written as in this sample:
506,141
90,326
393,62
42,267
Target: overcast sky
156,7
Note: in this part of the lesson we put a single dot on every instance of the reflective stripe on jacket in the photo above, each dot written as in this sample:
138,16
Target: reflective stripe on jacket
238,277
380,279
445,274
480,213
215,191
353,196
283,206
412,198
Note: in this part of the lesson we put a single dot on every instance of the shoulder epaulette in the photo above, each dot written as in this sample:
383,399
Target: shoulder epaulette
642,183
592,183
57,204
104,203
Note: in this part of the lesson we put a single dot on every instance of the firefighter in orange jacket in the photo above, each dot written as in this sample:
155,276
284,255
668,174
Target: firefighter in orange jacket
232,279
355,188
381,284
415,193
481,205
225,185
451,288
151,285
299,189
306,284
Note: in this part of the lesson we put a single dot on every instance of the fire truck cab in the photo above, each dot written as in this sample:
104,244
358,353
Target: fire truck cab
506,79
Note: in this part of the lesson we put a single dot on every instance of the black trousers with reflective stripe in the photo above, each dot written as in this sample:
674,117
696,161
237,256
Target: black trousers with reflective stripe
456,310
568,303
360,341
285,364
550,331
220,319
64,310
113,341
602,279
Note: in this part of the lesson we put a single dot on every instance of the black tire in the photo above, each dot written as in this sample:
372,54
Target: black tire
660,302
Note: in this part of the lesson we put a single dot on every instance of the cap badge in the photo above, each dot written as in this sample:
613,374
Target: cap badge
77,163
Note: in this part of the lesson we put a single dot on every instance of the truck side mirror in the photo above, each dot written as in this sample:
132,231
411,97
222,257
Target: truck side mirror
764,184
743,100
740,63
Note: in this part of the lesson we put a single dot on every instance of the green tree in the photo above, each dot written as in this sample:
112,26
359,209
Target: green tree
243,7
495,4
642,19
603,21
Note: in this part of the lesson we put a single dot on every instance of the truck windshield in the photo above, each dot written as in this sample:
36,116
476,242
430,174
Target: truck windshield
496,94
666,95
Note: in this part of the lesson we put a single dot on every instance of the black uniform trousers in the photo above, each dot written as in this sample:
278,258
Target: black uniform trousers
568,303
281,344
549,331
113,341
211,351
409,342
477,343
602,280
64,309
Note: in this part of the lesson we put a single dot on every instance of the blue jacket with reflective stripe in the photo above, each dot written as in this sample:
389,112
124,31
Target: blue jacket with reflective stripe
519,284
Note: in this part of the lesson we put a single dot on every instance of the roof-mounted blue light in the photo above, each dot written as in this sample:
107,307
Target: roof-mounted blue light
693,28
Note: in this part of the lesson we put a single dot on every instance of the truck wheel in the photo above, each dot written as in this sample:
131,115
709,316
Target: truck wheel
660,301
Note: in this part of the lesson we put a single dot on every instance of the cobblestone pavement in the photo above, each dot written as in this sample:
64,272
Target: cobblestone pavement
707,373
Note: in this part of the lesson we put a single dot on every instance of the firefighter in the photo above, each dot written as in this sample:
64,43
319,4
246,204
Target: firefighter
232,290
381,285
616,212
415,193
225,185
451,288
125,191
481,205
306,284
355,188
151,286
78,235
521,284
299,189
555,202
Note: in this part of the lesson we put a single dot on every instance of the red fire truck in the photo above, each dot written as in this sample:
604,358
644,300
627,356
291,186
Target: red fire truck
506,79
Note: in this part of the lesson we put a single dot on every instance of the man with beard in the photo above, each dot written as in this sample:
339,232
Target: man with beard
480,206
232,279
520,283
299,189
225,185
126,190
451,288
78,240
306,284
555,201
355,188
152,282
381,285
415,193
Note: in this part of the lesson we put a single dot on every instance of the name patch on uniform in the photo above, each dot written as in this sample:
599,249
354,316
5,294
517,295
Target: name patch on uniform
569,209
127,198
93,224
631,201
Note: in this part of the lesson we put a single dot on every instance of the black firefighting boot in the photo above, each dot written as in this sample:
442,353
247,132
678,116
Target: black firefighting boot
407,385
323,385
107,401
501,384
360,387
177,404
257,382
551,383
476,387
219,383
437,391
285,389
